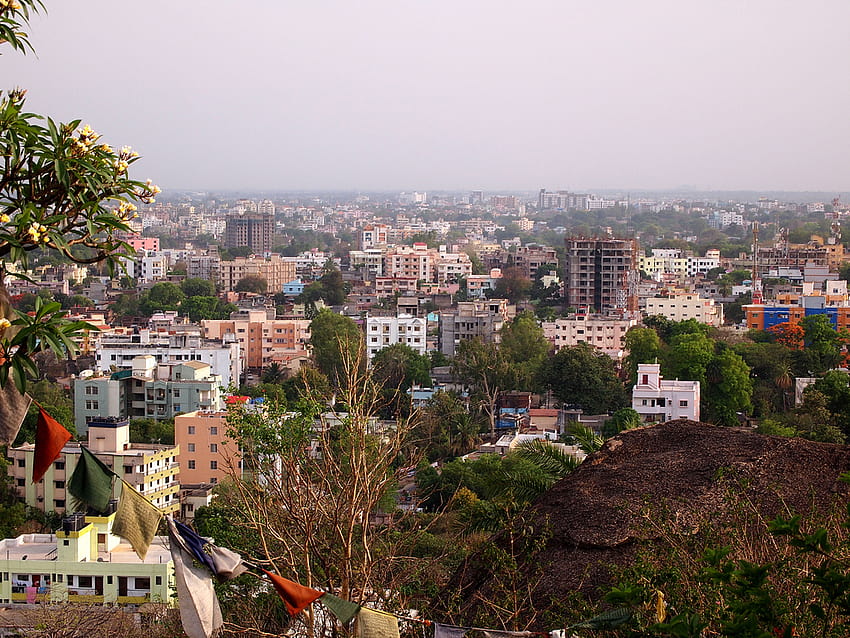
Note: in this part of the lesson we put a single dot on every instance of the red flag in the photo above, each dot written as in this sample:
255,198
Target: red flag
295,596
50,438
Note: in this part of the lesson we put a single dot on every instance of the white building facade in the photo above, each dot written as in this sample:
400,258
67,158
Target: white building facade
382,332
658,400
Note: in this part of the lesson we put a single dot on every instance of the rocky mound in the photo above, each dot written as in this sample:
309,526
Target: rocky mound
681,479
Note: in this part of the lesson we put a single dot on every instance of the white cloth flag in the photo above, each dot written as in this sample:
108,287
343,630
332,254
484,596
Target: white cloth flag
199,609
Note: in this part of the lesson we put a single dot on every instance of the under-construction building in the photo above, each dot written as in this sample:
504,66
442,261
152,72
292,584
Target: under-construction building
253,230
601,274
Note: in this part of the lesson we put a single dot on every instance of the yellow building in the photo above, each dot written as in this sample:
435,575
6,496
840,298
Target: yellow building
150,468
85,563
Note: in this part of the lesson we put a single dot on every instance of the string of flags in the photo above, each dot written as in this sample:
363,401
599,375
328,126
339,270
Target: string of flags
197,561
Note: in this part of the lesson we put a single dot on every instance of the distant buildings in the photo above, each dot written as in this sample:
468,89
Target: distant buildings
382,332
483,319
207,453
276,270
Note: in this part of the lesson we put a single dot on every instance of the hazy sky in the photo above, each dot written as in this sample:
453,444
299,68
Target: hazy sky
454,94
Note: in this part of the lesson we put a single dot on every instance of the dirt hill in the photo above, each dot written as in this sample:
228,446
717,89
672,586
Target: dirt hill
657,487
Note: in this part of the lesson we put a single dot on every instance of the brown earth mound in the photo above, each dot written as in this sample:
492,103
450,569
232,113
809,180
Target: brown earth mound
646,487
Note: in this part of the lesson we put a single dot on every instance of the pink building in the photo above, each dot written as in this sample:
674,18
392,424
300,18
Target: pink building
207,455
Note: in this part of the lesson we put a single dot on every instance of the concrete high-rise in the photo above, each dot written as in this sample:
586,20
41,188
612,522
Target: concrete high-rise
253,230
600,274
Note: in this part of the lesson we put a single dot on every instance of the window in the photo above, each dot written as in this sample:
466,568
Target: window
159,580
143,583
128,469
59,485
191,429
22,463
213,429
84,581
60,465
213,447
92,405
213,465
177,392
91,389
683,404
177,407
191,465
190,447
21,482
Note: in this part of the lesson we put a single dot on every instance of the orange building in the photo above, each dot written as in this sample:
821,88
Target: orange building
262,338
207,454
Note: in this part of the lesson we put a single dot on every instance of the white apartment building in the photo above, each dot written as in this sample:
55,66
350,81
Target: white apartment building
225,357
603,333
671,261
450,267
658,400
686,306
151,267
382,332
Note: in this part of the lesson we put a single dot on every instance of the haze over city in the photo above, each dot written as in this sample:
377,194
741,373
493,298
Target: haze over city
452,95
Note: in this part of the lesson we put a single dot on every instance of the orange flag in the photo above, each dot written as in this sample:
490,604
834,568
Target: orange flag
295,596
50,438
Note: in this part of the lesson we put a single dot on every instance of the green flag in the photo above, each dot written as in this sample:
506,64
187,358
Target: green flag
91,481
343,609
136,520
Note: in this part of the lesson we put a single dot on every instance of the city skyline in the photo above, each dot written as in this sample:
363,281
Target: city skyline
449,96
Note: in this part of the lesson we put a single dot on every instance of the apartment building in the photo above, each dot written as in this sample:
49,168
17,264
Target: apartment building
148,390
601,274
276,270
657,400
262,338
119,349
150,468
207,453
603,333
450,267
411,261
681,307
252,230
483,319
382,332
370,261
85,563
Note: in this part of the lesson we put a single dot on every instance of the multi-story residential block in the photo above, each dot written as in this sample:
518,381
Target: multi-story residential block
450,267
389,286
276,270
382,332
669,261
207,453
224,356
373,235
603,333
252,230
601,274
263,339
527,259
411,261
370,261
482,319
564,200
478,285
681,307
150,468
657,399
147,391
84,563
203,265
150,266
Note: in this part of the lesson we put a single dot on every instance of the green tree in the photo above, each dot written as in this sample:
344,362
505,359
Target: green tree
728,388
194,287
580,375
162,296
513,285
252,283
525,347
53,398
822,346
485,370
333,287
337,344
400,367
198,308
622,420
